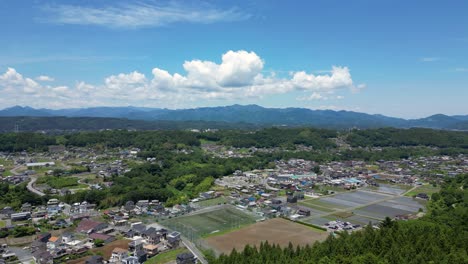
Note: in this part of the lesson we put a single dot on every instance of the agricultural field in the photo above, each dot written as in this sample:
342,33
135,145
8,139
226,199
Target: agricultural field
209,223
361,207
275,231
211,202
427,189
60,182
391,188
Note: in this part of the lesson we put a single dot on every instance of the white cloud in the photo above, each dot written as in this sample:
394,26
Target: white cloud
429,59
340,77
313,96
238,76
44,78
137,15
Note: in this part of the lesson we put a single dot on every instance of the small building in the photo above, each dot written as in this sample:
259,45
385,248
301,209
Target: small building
291,199
423,196
131,260
88,226
303,212
41,164
186,258
20,216
151,249
95,260
118,255
103,237
174,238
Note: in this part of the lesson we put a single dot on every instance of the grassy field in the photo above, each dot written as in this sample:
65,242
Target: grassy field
211,202
60,182
275,231
312,204
321,205
343,214
428,189
204,224
166,256
2,223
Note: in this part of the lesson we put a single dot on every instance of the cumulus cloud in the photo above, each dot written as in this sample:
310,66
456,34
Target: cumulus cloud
44,78
140,14
237,76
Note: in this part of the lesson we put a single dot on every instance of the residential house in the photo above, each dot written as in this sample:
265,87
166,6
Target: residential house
103,237
118,254
151,249
95,260
186,258
89,226
303,212
174,239
53,243
131,260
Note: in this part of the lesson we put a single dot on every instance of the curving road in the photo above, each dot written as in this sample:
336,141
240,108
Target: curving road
31,188
30,185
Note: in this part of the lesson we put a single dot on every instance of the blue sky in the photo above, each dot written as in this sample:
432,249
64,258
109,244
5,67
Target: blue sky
399,58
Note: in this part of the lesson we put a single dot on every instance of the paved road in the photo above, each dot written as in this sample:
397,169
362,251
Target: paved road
30,185
197,253
31,188
14,170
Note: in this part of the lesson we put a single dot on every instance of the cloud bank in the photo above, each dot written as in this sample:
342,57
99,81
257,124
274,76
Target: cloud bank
238,76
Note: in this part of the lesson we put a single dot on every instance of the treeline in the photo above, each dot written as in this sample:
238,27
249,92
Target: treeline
392,137
146,140
60,123
287,138
274,137
439,237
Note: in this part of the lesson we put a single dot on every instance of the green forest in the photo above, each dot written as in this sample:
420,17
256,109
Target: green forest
264,138
441,236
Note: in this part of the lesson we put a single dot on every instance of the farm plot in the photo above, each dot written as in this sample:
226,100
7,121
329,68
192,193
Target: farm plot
427,189
321,204
275,231
203,224
380,211
392,189
359,207
353,199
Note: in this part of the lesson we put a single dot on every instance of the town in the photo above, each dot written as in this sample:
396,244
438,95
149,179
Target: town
328,196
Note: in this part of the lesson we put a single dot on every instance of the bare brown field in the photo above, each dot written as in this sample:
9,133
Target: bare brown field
275,231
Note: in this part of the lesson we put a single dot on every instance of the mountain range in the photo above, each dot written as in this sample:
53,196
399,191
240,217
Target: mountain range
251,114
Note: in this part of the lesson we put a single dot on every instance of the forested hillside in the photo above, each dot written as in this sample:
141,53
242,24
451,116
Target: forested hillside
439,237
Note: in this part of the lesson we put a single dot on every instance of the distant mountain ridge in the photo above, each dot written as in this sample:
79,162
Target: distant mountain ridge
252,114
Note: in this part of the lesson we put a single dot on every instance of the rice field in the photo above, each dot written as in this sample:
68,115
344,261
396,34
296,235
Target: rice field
361,206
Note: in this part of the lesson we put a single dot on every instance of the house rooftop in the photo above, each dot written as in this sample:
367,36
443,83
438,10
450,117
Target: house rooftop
53,239
119,250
